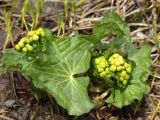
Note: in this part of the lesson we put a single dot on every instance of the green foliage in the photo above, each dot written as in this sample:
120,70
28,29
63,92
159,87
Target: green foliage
140,61
137,86
111,24
56,66
54,71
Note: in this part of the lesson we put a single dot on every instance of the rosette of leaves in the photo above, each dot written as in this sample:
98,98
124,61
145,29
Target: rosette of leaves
136,86
140,60
56,63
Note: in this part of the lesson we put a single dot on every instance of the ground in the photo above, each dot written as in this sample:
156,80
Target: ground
17,98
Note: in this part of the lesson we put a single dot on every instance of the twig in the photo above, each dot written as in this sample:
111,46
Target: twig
155,59
154,55
136,11
92,10
5,118
34,113
155,65
112,2
83,28
90,5
124,2
139,30
2,18
142,24
14,89
156,96
118,7
146,18
155,111
90,20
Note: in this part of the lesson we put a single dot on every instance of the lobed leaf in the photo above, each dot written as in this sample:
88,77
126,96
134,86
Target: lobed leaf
142,60
137,86
111,24
54,71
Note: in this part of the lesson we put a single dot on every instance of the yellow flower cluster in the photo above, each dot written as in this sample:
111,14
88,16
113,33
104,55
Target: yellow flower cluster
25,44
115,67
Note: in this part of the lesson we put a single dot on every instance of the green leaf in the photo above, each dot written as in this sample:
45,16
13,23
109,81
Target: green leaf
120,98
120,46
142,59
111,24
54,71
137,86
12,60
116,98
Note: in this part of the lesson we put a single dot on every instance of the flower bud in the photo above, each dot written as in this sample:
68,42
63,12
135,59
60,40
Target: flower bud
110,59
108,76
126,65
126,77
100,69
43,34
103,74
30,33
121,79
115,55
97,61
119,68
129,69
117,63
24,49
29,47
102,64
23,40
123,73
107,70
112,62
41,29
17,47
113,68
21,44
38,32
35,37
124,82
